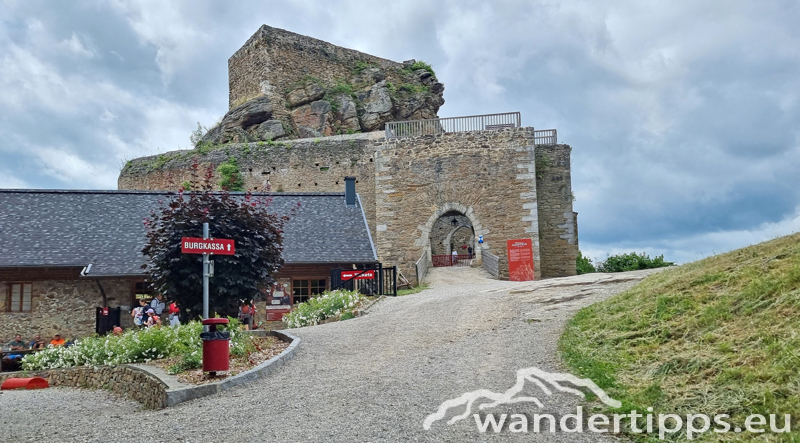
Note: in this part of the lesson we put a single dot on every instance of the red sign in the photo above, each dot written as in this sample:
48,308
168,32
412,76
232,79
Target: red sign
520,259
359,275
105,311
190,245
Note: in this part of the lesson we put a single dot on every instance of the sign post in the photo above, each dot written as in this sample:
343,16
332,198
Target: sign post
205,278
207,246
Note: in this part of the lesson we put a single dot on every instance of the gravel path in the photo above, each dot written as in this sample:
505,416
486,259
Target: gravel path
373,378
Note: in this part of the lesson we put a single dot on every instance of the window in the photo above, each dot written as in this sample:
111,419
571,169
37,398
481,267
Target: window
19,297
303,289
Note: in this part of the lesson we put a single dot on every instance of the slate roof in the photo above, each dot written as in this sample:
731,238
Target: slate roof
62,228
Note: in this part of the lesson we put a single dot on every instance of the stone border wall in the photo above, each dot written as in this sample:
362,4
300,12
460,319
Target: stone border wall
123,380
176,396
145,387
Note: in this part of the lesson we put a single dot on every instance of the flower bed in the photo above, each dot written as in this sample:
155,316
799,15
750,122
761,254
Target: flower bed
260,350
329,304
136,346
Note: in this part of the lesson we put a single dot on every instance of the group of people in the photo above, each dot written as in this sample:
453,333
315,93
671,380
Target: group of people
149,314
12,360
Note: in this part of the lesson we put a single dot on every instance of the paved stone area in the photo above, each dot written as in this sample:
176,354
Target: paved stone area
370,379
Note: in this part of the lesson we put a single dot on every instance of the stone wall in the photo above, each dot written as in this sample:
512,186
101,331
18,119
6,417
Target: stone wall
283,84
558,234
488,176
309,165
65,307
123,380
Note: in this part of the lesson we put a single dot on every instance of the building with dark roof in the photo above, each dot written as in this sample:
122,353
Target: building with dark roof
66,253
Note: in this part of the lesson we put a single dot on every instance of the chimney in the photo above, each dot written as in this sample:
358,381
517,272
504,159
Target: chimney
350,192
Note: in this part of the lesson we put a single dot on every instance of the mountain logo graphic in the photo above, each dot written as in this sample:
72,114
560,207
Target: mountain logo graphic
546,381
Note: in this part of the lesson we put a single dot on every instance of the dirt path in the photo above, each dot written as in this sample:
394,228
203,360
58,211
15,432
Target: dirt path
373,378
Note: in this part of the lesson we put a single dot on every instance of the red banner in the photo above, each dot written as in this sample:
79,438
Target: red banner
359,275
520,259
219,246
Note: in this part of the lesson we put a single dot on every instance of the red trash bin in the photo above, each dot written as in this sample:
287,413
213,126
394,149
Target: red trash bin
216,346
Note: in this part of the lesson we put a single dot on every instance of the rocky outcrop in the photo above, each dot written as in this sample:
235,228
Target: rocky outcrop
248,122
369,97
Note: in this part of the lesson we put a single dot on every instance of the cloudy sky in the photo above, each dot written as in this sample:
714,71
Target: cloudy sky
683,116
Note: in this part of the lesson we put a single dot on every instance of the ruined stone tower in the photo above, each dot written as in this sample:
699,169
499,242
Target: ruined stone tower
305,113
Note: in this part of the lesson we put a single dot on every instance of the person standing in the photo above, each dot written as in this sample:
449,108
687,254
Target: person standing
245,316
469,251
158,304
174,314
454,255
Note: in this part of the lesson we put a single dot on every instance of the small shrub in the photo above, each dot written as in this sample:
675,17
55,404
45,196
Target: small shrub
422,65
326,305
631,262
412,88
584,264
231,179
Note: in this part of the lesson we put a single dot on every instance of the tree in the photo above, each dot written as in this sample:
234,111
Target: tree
245,218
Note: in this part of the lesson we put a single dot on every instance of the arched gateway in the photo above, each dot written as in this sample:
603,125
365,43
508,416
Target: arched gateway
452,226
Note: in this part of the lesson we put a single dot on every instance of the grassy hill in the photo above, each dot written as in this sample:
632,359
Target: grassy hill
717,336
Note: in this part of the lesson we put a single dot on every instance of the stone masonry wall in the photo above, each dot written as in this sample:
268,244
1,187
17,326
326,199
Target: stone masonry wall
489,176
65,307
307,165
272,60
407,184
123,380
558,234
287,85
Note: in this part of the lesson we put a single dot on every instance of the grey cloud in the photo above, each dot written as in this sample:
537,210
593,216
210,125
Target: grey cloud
683,117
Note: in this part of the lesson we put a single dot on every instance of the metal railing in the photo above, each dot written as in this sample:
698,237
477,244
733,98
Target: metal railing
545,137
486,122
422,267
491,263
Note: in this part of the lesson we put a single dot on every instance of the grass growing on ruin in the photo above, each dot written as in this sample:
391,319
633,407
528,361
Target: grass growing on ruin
414,290
717,336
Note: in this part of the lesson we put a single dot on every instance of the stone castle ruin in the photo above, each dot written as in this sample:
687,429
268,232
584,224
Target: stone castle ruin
305,113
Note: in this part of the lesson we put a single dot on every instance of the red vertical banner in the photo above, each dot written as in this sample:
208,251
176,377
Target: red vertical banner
520,259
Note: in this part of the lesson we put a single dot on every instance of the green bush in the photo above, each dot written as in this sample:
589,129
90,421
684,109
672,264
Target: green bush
584,264
422,65
631,262
231,179
326,305
134,346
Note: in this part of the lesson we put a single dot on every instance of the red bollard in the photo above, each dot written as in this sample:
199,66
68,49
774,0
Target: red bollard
216,347
25,383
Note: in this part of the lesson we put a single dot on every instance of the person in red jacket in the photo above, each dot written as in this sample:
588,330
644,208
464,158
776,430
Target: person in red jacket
174,313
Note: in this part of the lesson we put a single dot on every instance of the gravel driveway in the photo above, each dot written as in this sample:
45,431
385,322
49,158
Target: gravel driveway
369,379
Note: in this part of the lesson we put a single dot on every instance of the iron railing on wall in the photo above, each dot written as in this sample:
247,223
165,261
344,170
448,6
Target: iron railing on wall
486,122
491,263
545,137
381,280
422,267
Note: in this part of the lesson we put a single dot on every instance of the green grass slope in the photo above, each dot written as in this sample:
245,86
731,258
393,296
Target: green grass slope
717,336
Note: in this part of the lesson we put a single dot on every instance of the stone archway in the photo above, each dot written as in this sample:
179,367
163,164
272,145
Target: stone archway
424,239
